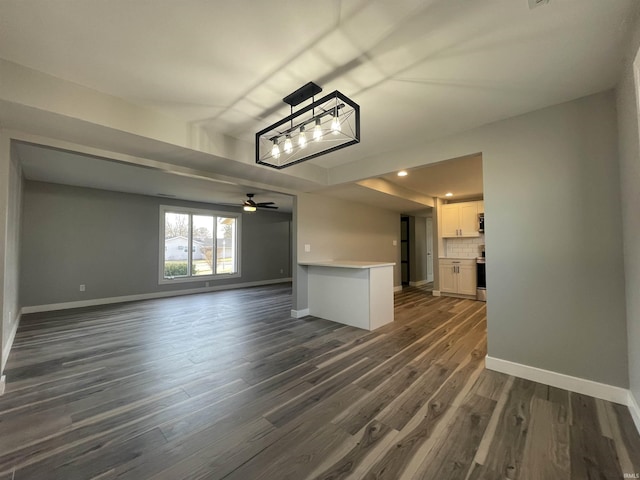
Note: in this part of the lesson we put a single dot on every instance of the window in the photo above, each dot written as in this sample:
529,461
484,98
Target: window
198,244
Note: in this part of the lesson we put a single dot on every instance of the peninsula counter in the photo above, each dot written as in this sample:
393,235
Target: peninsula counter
354,293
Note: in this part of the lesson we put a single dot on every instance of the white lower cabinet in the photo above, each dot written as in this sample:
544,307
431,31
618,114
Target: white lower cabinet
458,276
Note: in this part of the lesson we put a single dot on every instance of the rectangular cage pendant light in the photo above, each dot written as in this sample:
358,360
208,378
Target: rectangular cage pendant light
324,126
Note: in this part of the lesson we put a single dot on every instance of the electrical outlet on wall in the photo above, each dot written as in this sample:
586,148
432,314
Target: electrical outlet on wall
82,287
307,247
282,270
395,243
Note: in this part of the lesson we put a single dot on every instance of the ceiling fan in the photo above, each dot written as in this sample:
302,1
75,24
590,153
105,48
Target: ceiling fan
249,205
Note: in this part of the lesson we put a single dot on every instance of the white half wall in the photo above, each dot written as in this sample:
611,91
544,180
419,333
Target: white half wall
341,230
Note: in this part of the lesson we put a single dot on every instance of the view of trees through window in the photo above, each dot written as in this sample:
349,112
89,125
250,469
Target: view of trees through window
197,244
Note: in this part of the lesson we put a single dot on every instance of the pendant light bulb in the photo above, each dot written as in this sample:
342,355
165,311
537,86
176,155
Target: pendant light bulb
275,150
317,131
288,147
335,123
302,138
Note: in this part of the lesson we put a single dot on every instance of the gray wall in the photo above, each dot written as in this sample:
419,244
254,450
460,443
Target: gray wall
555,278
10,208
109,241
628,115
554,249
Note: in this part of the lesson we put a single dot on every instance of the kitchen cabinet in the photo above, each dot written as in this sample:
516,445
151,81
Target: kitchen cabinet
458,276
460,219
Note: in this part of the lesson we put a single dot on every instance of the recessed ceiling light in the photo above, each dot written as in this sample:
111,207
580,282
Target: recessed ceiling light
448,194
402,173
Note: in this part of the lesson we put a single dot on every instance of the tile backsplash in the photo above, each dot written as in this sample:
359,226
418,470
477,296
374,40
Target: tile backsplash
464,247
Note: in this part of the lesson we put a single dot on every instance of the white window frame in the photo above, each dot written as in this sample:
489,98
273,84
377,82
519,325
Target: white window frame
197,211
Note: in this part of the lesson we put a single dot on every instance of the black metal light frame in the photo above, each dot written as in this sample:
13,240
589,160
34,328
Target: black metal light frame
294,99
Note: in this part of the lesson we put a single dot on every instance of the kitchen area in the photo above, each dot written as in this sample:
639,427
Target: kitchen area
461,247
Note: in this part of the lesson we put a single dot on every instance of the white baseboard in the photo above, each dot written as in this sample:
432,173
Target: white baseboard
6,348
560,380
435,293
419,283
634,408
300,313
397,288
146,296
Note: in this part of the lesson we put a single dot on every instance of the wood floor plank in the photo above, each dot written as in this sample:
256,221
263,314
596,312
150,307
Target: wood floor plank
546,450
396,460
354,418
625,436
373,434
227,385
294,435
592,454
506,449
452,457
318,393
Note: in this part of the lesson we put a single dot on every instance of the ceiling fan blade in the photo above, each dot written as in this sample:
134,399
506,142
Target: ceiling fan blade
267,206
262,204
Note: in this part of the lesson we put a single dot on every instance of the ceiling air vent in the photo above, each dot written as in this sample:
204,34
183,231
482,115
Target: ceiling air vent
537,3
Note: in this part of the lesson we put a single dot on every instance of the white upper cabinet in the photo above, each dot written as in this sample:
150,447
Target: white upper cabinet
460,219
450,220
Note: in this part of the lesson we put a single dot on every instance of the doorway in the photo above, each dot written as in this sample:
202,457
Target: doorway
429,249
405,266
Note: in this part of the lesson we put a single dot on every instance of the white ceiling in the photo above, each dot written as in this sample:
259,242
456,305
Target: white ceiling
59,166
462,177
420,69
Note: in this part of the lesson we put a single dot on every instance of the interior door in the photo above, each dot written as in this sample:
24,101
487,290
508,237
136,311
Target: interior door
429,250
404,250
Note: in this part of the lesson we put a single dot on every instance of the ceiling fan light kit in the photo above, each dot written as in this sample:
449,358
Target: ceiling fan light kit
250,205
537,3
334,121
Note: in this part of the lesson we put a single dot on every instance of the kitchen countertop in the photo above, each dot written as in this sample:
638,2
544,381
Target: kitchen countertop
346,264
458,258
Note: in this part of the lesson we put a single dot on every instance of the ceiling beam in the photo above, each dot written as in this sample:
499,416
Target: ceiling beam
385,186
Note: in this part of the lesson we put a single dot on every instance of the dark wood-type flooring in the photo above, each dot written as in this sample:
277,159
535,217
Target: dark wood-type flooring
227,385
